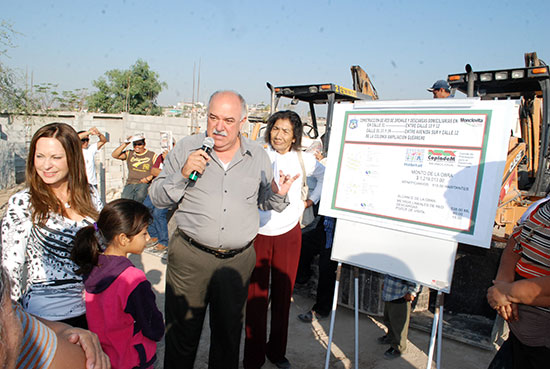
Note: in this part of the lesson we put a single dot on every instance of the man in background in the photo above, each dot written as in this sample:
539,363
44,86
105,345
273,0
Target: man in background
158,229
398,296
89,151
139,161
440,89
319,240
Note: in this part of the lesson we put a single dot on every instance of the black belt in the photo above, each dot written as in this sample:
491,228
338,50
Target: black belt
219,253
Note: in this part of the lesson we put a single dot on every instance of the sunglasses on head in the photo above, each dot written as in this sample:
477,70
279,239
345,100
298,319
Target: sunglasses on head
139,143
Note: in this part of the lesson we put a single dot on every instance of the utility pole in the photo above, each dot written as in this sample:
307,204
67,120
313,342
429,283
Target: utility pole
198,89
199,81
193,103
127,94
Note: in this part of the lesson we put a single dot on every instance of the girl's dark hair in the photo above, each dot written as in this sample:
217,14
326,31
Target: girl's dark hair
119,216
297,127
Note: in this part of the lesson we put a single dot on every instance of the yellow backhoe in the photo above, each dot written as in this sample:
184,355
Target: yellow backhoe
526,176
321,94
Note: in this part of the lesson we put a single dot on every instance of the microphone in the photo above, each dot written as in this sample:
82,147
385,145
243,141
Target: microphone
207,146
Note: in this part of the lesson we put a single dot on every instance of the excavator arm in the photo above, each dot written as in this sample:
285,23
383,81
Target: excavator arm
362,82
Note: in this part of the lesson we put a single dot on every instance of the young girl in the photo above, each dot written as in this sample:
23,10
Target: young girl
120,303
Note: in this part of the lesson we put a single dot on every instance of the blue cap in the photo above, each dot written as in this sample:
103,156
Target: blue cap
440,84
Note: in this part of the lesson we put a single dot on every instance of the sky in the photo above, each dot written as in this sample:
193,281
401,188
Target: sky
404,46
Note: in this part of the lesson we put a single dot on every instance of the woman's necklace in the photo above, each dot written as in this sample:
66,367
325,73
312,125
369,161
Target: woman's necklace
64,196
66,203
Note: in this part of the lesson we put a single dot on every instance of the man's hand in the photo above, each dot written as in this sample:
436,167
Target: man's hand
496,295
508,312
409,297
285,181
318,155
95,357
94,131
196,161
498,300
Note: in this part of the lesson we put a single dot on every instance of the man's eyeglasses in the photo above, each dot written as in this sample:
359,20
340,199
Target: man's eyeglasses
85,140
139,143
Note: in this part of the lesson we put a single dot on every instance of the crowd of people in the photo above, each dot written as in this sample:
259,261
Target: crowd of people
237,251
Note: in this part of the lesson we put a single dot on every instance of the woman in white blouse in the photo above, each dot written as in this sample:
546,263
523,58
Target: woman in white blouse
278,245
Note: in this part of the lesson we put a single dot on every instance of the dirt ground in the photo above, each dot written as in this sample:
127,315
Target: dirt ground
307,344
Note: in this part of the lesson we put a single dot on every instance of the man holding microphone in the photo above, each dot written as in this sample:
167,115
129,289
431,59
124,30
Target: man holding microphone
210,258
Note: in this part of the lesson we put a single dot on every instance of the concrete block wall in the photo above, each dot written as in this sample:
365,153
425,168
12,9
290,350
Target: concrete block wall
16,133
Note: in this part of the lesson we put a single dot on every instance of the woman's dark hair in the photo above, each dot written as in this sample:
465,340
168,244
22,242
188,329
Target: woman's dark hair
119,216
297,127
43,200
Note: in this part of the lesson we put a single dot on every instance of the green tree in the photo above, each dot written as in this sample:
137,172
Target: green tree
134,91
47,98
73,100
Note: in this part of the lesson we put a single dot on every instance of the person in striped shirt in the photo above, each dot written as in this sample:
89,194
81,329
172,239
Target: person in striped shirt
521,292
27,342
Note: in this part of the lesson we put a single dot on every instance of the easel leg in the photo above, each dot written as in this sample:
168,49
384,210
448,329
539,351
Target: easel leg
333,313
437,331
440,330
356,278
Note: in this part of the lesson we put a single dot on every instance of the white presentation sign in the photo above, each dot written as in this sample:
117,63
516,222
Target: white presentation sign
430,167
425,260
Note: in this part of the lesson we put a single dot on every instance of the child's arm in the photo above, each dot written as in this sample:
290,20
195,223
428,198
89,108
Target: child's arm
143,308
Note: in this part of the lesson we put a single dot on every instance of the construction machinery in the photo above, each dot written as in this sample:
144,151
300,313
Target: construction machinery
525,179
362,82
325,93
527,174
321,94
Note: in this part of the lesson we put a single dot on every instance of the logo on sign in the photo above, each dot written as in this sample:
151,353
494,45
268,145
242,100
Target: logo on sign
442,156
414,157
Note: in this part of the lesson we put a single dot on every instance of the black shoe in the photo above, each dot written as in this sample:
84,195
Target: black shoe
311,316
282,364
384,340
392,353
